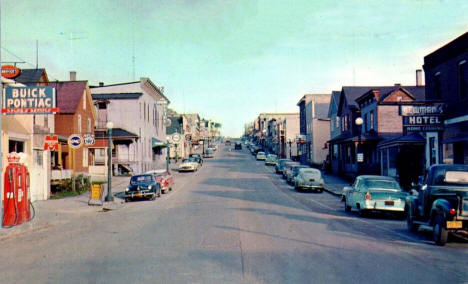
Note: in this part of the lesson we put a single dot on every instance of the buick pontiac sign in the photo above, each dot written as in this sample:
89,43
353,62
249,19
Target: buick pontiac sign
29,100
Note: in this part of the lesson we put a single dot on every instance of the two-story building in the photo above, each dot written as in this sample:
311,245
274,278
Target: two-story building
358,145
77,116
446,74
315,126
137,112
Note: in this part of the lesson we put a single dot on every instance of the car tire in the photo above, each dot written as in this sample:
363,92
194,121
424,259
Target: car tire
440,233
127,199
159,193
320,190
346,207
153,197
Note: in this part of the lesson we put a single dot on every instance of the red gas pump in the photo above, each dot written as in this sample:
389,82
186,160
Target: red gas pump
16,194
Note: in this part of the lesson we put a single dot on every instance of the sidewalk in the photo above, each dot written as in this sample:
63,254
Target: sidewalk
51,212
334,184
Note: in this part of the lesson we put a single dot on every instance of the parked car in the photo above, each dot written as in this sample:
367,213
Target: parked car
374,193
271,160
287,168
165,179
440,201
197,157
189,165
280,165
142,186
309,179
209,153
237,146
261,156
290,175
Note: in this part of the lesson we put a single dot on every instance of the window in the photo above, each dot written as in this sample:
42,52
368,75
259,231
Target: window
85,157
79,123
15,146
337,122
46,120
365,123
89,125
437,87
38,157
462,80
371,126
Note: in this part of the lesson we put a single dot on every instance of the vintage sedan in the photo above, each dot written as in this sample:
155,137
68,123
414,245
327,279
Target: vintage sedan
197,157
209,153
189,165
280,165
164,178
261,156
374,193
142,186
288,167
290,175
309,179
271,160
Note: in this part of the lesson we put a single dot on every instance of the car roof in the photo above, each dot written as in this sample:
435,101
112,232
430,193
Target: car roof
376,177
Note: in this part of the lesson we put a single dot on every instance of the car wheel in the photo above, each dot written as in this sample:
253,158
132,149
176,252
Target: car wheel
346,207
159,193
440,233
412,227
170,188
127,199
320,190
153,197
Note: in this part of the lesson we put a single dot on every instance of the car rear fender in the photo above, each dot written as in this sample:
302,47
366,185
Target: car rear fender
441,207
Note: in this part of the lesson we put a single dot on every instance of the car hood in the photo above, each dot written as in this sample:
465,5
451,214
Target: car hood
187,164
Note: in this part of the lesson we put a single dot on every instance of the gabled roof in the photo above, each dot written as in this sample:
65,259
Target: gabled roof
334,101
69,94
31,76
352,93
116,96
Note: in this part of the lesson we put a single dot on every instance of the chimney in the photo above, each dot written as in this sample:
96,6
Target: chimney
418,77
72,75
101,84
397,85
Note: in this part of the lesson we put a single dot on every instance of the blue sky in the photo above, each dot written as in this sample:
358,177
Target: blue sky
231,60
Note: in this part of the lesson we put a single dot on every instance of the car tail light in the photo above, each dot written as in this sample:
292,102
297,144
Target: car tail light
367,196
452,211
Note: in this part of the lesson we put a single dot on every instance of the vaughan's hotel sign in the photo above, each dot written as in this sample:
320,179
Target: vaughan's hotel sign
422,118
29,100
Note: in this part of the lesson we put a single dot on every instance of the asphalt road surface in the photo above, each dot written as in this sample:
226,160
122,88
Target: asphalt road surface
233,221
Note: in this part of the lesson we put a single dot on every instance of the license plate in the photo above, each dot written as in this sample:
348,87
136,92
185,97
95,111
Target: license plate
454,224
389,202
138,194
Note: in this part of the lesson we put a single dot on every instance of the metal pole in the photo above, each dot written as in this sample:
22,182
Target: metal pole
109,196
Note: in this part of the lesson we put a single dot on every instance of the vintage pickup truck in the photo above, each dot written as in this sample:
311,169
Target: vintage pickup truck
440,201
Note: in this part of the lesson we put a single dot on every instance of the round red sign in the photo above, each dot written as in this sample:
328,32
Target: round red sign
10,71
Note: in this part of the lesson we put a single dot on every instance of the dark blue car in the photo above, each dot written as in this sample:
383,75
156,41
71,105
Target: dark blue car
143,186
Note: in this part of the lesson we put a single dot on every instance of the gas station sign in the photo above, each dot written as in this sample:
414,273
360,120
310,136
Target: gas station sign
51,143
29,100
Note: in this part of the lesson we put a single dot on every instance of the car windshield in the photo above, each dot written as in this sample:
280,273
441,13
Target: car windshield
381,184
141,179
188,160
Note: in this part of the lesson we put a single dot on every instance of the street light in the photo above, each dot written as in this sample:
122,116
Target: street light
360,156
109,126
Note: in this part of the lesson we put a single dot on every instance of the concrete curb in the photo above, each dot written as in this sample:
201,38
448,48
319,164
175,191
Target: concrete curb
332,192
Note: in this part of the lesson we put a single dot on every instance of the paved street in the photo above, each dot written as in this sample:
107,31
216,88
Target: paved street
233,221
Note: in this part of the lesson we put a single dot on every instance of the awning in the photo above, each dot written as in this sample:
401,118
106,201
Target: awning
157,143
409,139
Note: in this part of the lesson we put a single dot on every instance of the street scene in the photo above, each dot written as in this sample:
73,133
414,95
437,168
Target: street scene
247,141
234,221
